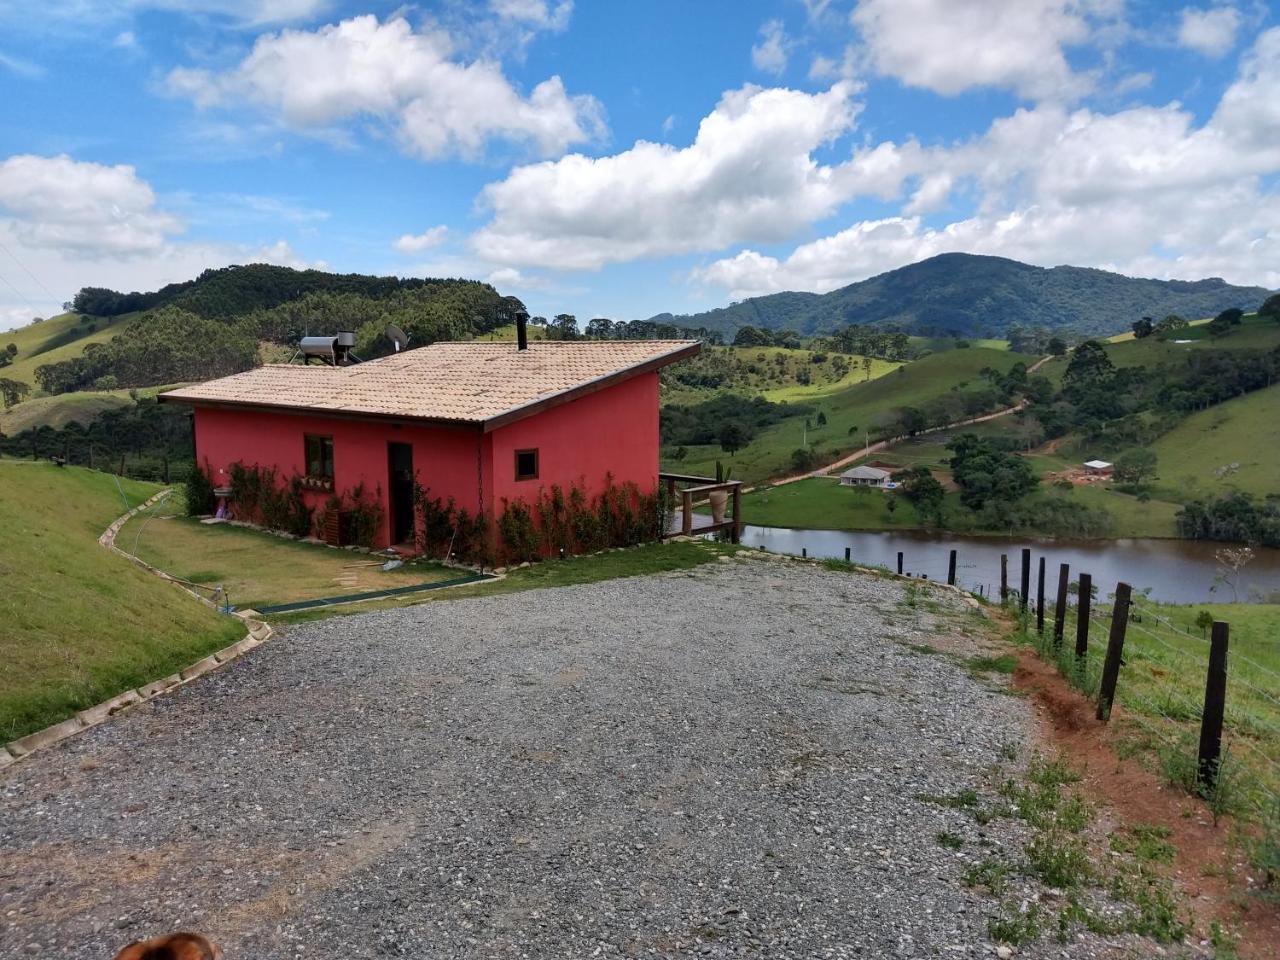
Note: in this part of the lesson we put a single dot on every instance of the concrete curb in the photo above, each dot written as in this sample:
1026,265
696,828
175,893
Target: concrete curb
258,633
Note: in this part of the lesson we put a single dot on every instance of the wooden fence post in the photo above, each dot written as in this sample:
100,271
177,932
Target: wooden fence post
1115,647
899,563
686,519
1060,610
848,554
1083,603
1004,578
951,569
1040,598
1215,702
1026,578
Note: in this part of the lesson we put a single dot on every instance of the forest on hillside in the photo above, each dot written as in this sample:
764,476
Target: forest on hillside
962,295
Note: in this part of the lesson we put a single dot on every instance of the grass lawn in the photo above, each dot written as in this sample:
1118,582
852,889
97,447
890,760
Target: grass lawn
258,569
822,504
80,623
635,562
849,412
1161,687
1244,431
58,338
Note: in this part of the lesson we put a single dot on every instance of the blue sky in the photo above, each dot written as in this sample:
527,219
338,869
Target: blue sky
610,159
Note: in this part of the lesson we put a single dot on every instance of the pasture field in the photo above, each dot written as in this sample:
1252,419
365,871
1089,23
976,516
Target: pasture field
58,338
1240,438
258,569
1160,693
82,624
80,406
1254,333
849,412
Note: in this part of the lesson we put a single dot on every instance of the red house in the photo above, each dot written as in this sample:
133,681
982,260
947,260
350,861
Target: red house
477,422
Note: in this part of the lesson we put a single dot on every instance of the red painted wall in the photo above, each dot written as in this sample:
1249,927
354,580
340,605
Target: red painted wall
613,430
445,459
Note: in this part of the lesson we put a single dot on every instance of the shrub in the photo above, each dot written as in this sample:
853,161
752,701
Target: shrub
258,498
200,498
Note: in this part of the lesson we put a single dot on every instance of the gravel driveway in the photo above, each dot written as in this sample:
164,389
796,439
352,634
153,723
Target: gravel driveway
723,761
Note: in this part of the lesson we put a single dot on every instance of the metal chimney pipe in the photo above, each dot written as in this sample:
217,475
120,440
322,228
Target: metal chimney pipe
522,332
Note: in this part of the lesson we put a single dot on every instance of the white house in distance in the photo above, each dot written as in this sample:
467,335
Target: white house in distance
864,476
1098,468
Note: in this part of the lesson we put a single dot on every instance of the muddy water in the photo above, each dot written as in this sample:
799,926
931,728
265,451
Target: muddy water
1176,571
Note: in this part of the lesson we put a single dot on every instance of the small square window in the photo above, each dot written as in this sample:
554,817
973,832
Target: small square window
526,464
319,452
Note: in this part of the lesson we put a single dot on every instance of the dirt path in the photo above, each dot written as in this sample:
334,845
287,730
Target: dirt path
881,445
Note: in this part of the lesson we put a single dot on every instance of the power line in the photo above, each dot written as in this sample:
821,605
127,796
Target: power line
40,283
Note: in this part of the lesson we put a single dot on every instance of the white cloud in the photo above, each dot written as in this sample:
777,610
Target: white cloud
509,278
538,14
437,105
23,68
1211,32
950,46
770,54
125,40
90,208
749,174
70,223
416,243
1144,190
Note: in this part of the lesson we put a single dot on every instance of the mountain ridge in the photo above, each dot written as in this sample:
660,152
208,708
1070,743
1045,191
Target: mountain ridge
971,295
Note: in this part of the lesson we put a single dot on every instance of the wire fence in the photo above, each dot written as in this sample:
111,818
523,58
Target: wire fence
1164,692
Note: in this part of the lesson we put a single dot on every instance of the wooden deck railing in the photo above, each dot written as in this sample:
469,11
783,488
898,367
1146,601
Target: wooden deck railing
699,491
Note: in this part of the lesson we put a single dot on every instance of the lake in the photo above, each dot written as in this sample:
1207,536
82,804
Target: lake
1176,571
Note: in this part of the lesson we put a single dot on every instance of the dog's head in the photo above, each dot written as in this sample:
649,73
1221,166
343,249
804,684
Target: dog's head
176,946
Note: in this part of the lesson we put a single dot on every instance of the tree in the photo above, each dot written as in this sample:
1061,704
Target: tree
822,419
600,328
923,490
732,437
802,459
1143,328
1089,364
1231,560
748,336
12,391
1057,346
1270,307
1170,325
1204,620
679,453
986,474
891,505
11,349
1134,466
563,327
866,368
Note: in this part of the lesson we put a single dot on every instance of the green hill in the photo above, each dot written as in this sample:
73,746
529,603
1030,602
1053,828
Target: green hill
852,413
82,624
973,296
1232,445
59,338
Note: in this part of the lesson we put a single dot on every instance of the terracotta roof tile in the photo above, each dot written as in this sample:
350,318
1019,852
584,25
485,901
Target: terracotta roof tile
470,382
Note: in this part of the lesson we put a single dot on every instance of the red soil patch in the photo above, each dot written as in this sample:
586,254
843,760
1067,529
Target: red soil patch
1132,795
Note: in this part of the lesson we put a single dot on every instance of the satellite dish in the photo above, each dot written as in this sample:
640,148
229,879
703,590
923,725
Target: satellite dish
397,337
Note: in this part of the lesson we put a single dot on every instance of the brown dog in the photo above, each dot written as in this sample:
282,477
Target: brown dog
176,946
